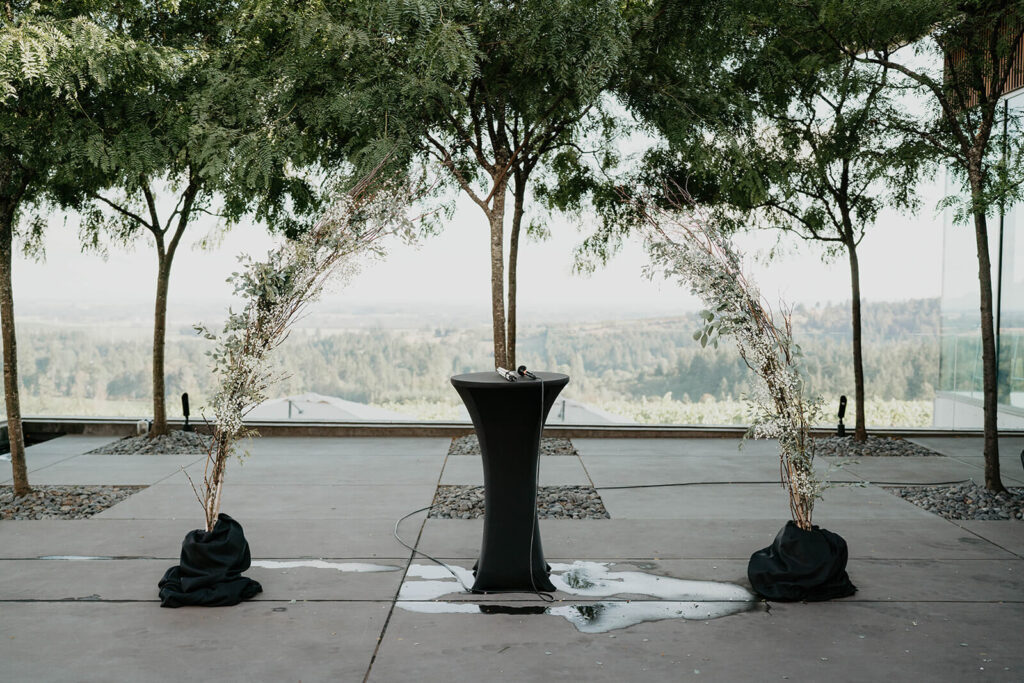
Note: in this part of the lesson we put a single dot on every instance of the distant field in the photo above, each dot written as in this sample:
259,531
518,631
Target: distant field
649,370
646,411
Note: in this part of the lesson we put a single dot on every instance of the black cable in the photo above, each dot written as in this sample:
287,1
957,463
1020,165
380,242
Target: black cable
420,552
546,597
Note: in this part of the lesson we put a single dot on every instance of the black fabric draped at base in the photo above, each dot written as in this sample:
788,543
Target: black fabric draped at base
508,417
801,565
210,570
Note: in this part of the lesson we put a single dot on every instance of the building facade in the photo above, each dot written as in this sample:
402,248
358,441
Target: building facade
958,400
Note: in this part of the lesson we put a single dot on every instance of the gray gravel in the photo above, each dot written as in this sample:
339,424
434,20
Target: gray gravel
845,446
173,443
549,445
553,502
965,501
62,502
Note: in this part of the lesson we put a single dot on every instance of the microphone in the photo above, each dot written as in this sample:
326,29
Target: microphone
523,372
507,374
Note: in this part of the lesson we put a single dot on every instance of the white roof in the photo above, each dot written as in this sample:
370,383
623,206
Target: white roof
317,407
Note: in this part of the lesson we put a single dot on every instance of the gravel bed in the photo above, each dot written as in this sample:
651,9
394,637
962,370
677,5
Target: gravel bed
553,502
172,443
965,501
845,446
549,445
62,502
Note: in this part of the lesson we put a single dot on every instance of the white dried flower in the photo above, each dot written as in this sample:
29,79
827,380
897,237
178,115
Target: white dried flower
687,245
276,290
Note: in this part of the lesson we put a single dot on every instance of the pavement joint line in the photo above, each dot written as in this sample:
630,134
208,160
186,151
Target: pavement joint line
1017,558
70,457
405,573
744,558
181,469
987,540
483,599
123,558
586,471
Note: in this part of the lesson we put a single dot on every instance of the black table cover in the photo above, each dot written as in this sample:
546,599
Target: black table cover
508,418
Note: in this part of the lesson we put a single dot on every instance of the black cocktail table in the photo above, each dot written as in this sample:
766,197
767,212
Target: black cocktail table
508,417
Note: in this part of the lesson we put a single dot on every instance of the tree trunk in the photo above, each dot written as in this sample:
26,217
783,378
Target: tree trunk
15,435
513,264
496,218
860,432
163,275
993,481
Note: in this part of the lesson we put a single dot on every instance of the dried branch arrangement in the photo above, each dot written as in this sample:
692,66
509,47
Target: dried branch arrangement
276,290
686,245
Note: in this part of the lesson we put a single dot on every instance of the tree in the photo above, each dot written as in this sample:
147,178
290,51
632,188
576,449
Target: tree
502,99
979,44
206,131
830,162
50,62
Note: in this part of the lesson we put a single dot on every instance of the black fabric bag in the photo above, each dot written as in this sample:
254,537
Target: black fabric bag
210,569
801,565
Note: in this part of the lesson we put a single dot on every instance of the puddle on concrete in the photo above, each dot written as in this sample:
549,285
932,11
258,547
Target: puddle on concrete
437,581
674,598
597,580
601,617
359,567
596,617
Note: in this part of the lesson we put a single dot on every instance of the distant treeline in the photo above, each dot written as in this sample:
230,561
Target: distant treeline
606,360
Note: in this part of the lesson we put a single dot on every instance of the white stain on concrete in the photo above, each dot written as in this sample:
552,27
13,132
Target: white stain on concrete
358,567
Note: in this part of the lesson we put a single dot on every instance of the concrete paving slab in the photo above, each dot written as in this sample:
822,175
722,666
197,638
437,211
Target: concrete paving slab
554,471
161,538
910,470
249,502
843,640
138,579
43,455
616,470
70,444
113,469
752,501
325,445
714,538
676,447
300,469
1009,467
970,446
940,580
1008,534
140,642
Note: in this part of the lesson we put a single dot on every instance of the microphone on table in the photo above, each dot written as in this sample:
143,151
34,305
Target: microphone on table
523,372
507,374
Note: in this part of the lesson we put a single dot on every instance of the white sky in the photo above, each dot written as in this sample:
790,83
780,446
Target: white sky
900,259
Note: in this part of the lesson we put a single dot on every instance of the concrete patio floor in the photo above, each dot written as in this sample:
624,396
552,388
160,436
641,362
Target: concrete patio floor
937,600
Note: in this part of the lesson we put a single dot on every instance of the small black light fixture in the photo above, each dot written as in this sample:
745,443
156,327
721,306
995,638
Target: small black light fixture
184,411
841,429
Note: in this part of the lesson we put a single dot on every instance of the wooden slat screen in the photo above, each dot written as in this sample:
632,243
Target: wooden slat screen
1015,81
